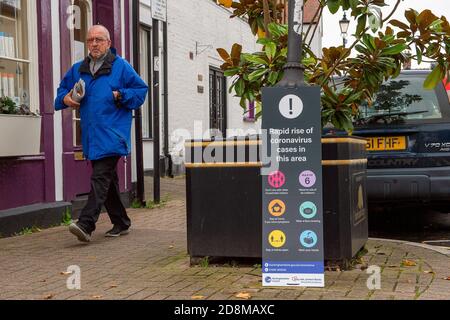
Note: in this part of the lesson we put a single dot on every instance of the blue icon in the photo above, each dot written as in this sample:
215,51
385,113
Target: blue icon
308,210
268,279
308,239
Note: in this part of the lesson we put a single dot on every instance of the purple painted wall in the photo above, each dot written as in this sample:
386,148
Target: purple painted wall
31,180
128,22
21,182
46,100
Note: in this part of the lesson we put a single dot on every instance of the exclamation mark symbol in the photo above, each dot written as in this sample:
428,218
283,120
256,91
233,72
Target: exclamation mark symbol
291,112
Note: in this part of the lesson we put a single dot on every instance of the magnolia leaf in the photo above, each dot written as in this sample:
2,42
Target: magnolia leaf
409,263
223,54
243,295
393,50
239,87
411,15
375,18
436,25
433,78
257,74
255,59
419,55
333,5
226,3
277,30
273,77
399,24
362,20
236,53
379,3
271,50
425,18
231,72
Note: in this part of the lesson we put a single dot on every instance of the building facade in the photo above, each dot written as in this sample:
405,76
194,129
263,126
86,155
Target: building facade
42,170
199,102
39,41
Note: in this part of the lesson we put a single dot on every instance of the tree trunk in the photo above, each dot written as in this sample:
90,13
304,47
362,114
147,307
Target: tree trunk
266,17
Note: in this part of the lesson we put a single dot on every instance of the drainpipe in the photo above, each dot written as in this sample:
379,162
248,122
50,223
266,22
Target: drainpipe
137,113
156,118
166,102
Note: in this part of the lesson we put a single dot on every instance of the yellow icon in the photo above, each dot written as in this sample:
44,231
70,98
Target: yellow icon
277,208
277,238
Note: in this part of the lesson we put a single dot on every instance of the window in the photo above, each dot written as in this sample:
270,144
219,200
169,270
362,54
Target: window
18,49
217,102
403,99
82,12
145,73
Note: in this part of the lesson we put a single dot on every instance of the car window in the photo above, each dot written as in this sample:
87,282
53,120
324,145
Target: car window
402,99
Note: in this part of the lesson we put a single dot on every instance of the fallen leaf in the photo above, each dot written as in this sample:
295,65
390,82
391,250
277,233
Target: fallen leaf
113,286
448,278
171,247
97,297
429,271
49,296
409,263
43,280
363,267
66,273
243,295
198,297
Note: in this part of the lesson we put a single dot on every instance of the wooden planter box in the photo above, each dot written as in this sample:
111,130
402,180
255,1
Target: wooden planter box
224,201
19,135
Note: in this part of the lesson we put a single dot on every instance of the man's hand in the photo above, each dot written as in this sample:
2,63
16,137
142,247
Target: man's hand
68,101
116,95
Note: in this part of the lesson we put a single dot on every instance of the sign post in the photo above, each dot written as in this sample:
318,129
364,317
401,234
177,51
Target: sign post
292,193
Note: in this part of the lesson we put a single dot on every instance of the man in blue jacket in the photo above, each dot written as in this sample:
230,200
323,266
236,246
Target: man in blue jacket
112,90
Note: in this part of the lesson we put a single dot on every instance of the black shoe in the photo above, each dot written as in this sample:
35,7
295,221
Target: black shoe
79,232
117,231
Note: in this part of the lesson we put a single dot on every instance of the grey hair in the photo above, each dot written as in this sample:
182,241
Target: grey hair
105,30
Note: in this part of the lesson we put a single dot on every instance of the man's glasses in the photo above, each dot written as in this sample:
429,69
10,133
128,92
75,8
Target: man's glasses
97,40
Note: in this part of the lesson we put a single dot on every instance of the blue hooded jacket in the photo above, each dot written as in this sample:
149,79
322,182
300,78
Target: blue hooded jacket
105,123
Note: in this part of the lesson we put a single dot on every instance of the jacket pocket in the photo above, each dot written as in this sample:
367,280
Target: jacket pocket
121,138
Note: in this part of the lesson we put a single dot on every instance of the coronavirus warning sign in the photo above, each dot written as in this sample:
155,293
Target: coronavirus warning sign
292,192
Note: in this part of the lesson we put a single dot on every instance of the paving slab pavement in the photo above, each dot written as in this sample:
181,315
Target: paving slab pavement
152,263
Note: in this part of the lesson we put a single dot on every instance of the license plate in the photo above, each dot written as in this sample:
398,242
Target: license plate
386,143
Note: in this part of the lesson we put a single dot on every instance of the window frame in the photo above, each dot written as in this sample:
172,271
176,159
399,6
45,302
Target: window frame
33,56
89,23
148,29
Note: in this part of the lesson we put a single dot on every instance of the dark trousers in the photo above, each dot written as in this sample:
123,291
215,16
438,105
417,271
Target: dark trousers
104,191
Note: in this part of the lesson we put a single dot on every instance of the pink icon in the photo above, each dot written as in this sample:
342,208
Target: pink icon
277,179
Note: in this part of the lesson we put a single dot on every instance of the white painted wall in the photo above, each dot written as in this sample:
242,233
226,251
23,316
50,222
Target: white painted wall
202,21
